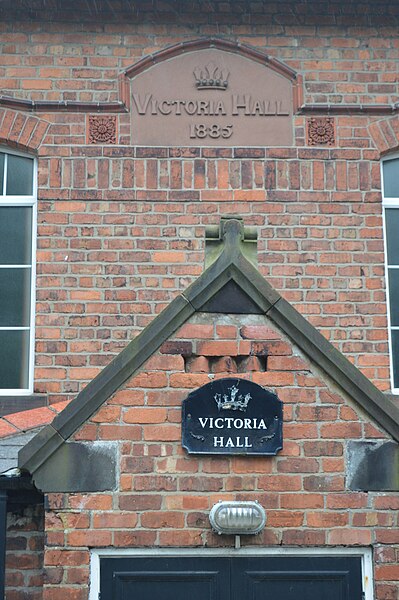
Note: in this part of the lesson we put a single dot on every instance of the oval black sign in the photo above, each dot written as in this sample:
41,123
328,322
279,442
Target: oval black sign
232,416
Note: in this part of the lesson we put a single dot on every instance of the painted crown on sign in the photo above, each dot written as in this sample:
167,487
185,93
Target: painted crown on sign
232,402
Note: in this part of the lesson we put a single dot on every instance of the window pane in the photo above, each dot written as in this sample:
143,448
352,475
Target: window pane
1,173
14,359
15,235
393,276
19,176
395,356
392,231
391,178
14,297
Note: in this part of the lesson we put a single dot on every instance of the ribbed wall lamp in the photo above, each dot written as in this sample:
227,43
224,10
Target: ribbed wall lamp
237,518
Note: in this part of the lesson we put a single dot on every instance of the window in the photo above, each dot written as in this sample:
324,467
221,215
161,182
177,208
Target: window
17,272
390,178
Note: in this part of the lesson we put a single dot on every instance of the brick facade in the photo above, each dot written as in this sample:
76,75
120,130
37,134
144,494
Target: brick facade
121,228
121,232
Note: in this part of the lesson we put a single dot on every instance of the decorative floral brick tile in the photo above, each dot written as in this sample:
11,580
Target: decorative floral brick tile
321,131
102,129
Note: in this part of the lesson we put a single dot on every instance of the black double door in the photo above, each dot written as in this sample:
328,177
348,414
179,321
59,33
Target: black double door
238,578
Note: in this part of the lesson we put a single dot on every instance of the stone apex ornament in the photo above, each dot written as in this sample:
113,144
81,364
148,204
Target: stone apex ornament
101,129
211,77
321,131
246,239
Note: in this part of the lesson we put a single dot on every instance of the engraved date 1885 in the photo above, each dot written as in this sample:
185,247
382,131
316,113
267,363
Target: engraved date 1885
212,131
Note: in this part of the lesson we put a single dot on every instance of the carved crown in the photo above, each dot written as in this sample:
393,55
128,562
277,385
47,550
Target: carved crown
211,77
232,401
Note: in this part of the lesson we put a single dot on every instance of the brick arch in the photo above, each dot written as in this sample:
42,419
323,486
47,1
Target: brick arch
21,131
385,134
220,44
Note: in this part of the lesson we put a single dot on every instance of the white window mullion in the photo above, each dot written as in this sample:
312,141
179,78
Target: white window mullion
15,266
16,330
391,203
5,174
33,298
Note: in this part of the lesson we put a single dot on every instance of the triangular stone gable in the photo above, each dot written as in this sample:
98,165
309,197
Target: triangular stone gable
233,270
132,443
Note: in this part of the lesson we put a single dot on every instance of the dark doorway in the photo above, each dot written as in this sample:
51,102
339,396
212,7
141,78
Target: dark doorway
225,578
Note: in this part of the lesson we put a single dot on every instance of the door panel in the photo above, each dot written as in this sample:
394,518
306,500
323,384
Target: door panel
164,578
241,578
290,578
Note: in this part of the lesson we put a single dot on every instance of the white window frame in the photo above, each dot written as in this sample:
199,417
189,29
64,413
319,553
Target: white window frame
389,203
31,200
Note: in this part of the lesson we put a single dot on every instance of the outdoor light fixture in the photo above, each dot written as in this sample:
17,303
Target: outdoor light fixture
237,518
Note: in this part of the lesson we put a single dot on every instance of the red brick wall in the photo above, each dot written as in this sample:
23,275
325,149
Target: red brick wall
164,495
111,258
24,559
121,229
